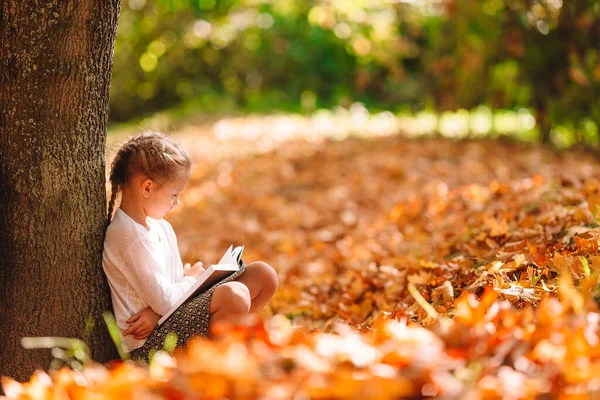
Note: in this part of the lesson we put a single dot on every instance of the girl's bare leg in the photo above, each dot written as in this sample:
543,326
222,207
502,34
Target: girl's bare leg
230,302
261,280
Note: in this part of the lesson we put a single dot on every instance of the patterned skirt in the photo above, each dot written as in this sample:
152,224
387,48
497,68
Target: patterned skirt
189,320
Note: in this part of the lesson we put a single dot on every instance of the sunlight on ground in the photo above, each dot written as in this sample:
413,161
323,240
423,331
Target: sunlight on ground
357,121
216,139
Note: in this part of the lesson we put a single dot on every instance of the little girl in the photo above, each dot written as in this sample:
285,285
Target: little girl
141,258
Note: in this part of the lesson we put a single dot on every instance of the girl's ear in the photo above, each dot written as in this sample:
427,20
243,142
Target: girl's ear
146,187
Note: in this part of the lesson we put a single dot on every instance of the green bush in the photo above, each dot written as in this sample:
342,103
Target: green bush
541,55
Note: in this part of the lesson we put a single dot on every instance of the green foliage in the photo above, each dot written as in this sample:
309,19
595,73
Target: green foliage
170,342
542,55
168,347
74,353
115,334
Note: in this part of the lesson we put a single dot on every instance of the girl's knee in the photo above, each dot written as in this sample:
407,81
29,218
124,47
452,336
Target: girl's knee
233,296
266,275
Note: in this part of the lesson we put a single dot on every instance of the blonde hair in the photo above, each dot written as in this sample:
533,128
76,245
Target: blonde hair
151,154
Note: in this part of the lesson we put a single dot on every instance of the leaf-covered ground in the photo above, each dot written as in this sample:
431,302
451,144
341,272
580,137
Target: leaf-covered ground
408,268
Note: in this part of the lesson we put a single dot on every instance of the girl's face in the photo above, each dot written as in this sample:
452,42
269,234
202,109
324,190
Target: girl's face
163,199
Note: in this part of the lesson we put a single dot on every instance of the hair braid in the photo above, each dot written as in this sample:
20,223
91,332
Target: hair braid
113,197
118,174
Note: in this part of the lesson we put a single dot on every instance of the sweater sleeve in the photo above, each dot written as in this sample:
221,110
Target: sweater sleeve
148,277
172,238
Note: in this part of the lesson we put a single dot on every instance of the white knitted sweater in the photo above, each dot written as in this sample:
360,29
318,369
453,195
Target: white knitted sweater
143,268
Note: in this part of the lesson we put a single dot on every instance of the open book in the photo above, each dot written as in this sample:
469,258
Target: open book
230,262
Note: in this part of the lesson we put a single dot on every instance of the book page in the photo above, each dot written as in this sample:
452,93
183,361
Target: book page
227,257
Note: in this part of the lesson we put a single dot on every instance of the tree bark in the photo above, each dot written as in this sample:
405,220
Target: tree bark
55,67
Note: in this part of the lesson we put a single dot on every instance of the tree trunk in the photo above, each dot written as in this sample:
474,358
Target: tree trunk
55,67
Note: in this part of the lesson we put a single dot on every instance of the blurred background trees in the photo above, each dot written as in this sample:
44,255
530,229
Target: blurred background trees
542,56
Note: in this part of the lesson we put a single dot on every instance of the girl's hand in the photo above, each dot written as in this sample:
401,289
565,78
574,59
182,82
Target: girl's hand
142,324
194,271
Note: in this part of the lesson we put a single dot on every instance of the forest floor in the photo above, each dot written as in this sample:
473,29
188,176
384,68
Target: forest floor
407,267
